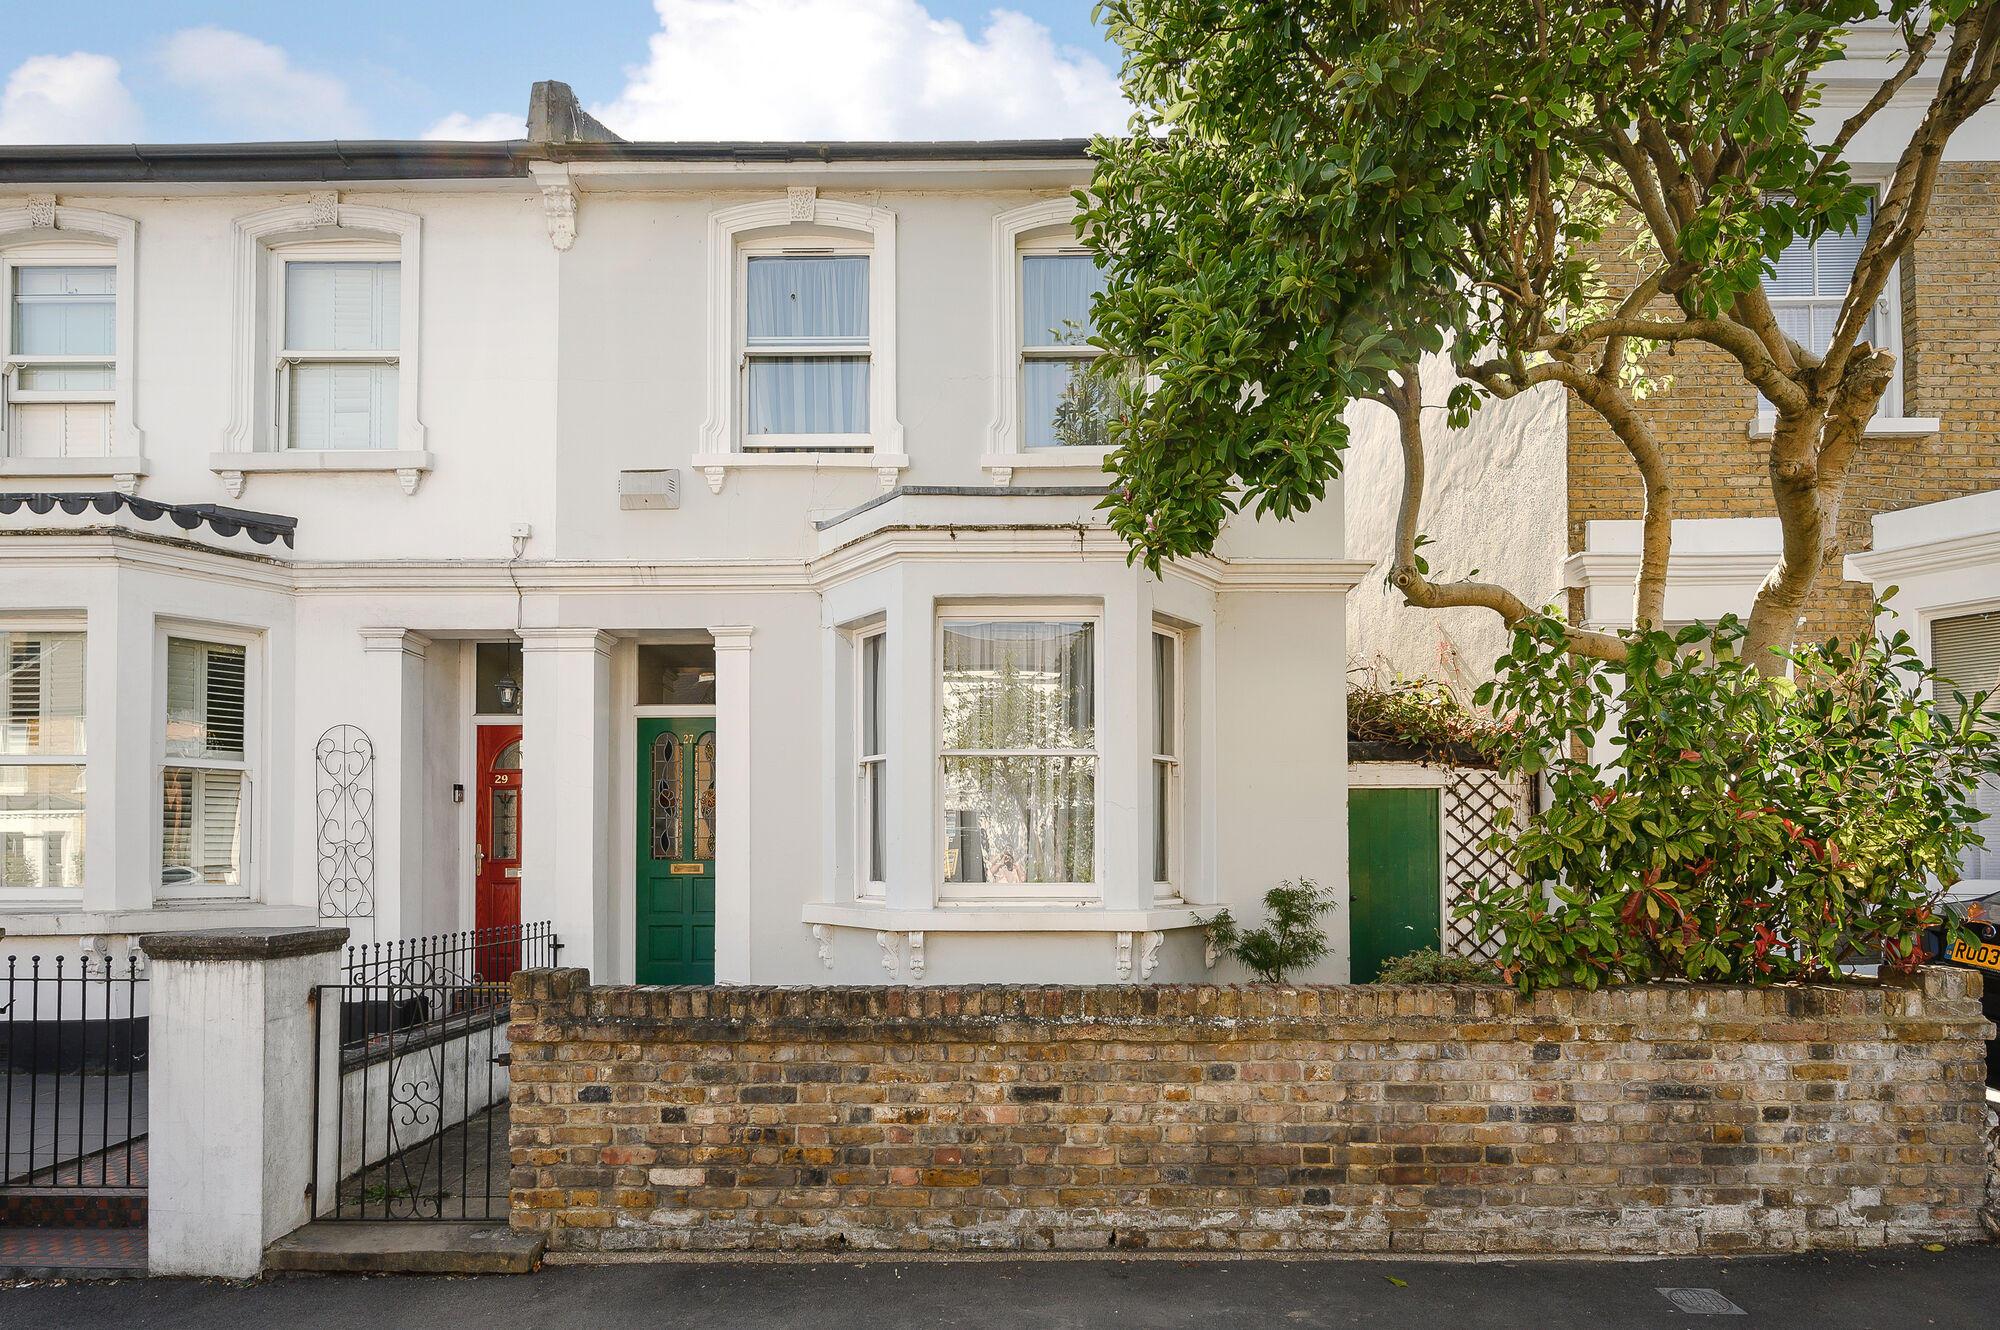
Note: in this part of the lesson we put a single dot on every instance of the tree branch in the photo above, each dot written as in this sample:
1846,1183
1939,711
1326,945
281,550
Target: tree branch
1407,401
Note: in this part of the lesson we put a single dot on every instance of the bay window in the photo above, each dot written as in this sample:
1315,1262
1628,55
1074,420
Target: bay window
42,763
1018,751
1966,650
205,781
1064,404
338,367
872,763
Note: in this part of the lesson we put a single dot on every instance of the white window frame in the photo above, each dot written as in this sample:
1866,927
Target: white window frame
868,886
285,358
80,759
1000,893
801,221
252,443
1927,619
248,886
46,233
1169,888
830,245
1045,227
1888,418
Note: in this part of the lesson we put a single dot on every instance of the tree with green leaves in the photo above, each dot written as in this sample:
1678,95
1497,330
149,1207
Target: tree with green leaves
1316,196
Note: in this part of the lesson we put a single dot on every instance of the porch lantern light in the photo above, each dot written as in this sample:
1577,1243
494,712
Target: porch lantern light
508,689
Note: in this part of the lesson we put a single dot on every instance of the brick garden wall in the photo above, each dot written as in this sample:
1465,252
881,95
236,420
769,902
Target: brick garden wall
1654,1120
1951,369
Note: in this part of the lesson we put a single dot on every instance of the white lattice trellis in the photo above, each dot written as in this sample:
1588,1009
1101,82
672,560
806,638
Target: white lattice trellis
1470,811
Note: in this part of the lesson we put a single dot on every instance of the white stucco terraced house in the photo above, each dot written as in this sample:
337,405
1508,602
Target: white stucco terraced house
692,545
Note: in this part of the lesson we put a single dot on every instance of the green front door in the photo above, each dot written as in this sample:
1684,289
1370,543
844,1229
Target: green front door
676,924
1392,874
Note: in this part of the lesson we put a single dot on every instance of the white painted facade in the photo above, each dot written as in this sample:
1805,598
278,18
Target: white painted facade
562,325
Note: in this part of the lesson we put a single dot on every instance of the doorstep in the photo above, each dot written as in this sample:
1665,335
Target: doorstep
406,1249
72,1253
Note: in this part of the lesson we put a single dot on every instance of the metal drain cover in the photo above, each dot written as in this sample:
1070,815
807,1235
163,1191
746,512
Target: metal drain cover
1701,1302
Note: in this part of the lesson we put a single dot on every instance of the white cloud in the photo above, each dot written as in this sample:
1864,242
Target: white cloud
468,128
857,69
75,98
254,89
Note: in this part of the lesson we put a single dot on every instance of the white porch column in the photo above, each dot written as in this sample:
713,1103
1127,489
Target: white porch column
230,1116
732,800
394,692
565,789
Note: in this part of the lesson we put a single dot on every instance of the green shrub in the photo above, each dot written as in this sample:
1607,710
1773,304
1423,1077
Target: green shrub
1290,940
1742,828
1430,966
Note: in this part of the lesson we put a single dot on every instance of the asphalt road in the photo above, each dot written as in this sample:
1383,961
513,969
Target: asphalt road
1951,1289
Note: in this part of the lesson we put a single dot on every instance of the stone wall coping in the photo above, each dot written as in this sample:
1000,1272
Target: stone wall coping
241,944
1935,994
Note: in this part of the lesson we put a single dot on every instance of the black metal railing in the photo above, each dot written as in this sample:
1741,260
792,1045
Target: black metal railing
398,986
73,1044
410,1117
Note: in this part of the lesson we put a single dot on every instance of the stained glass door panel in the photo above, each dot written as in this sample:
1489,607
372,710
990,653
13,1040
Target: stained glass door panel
676,866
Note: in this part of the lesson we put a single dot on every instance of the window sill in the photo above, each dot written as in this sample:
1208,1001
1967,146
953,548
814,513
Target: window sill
1881,427
1012,918
1004,465
888,467
122,473
54,919
410,467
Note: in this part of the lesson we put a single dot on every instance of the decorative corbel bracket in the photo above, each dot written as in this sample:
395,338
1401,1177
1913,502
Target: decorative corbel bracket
1122,953
558,202
232,483
892,951
916,955
823,939
715,476
126,482
1149,953
411,477
886,477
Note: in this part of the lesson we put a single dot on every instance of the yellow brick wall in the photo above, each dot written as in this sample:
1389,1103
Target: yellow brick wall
1951,369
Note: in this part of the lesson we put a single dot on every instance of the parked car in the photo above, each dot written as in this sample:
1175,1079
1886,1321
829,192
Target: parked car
1977,947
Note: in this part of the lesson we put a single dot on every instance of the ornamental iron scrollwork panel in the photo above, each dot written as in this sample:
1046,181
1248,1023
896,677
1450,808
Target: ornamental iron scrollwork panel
344,800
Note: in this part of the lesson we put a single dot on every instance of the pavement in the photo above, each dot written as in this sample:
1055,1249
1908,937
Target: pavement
1947,1289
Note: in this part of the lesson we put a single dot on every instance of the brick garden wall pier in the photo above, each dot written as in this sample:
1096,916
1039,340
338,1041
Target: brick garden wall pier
1662,1119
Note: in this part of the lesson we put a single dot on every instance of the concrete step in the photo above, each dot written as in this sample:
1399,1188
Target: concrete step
406,1249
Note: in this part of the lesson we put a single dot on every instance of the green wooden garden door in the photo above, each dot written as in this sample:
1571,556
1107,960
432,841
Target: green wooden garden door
676,914
1392,873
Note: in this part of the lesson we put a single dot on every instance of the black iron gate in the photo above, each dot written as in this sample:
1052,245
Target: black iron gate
410,1115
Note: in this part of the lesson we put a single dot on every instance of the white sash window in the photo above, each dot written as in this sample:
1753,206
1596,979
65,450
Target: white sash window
61,359
205,783
1018,749
1966,650
337,371
41,764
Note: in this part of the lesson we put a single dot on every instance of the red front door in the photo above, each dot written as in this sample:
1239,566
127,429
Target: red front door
497,857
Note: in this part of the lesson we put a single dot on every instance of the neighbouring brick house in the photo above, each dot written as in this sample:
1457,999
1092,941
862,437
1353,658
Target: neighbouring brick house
1542,496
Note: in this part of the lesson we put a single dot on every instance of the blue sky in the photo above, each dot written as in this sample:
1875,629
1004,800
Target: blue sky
187,72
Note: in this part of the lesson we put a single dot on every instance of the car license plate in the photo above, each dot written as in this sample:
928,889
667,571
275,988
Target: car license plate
1986,957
